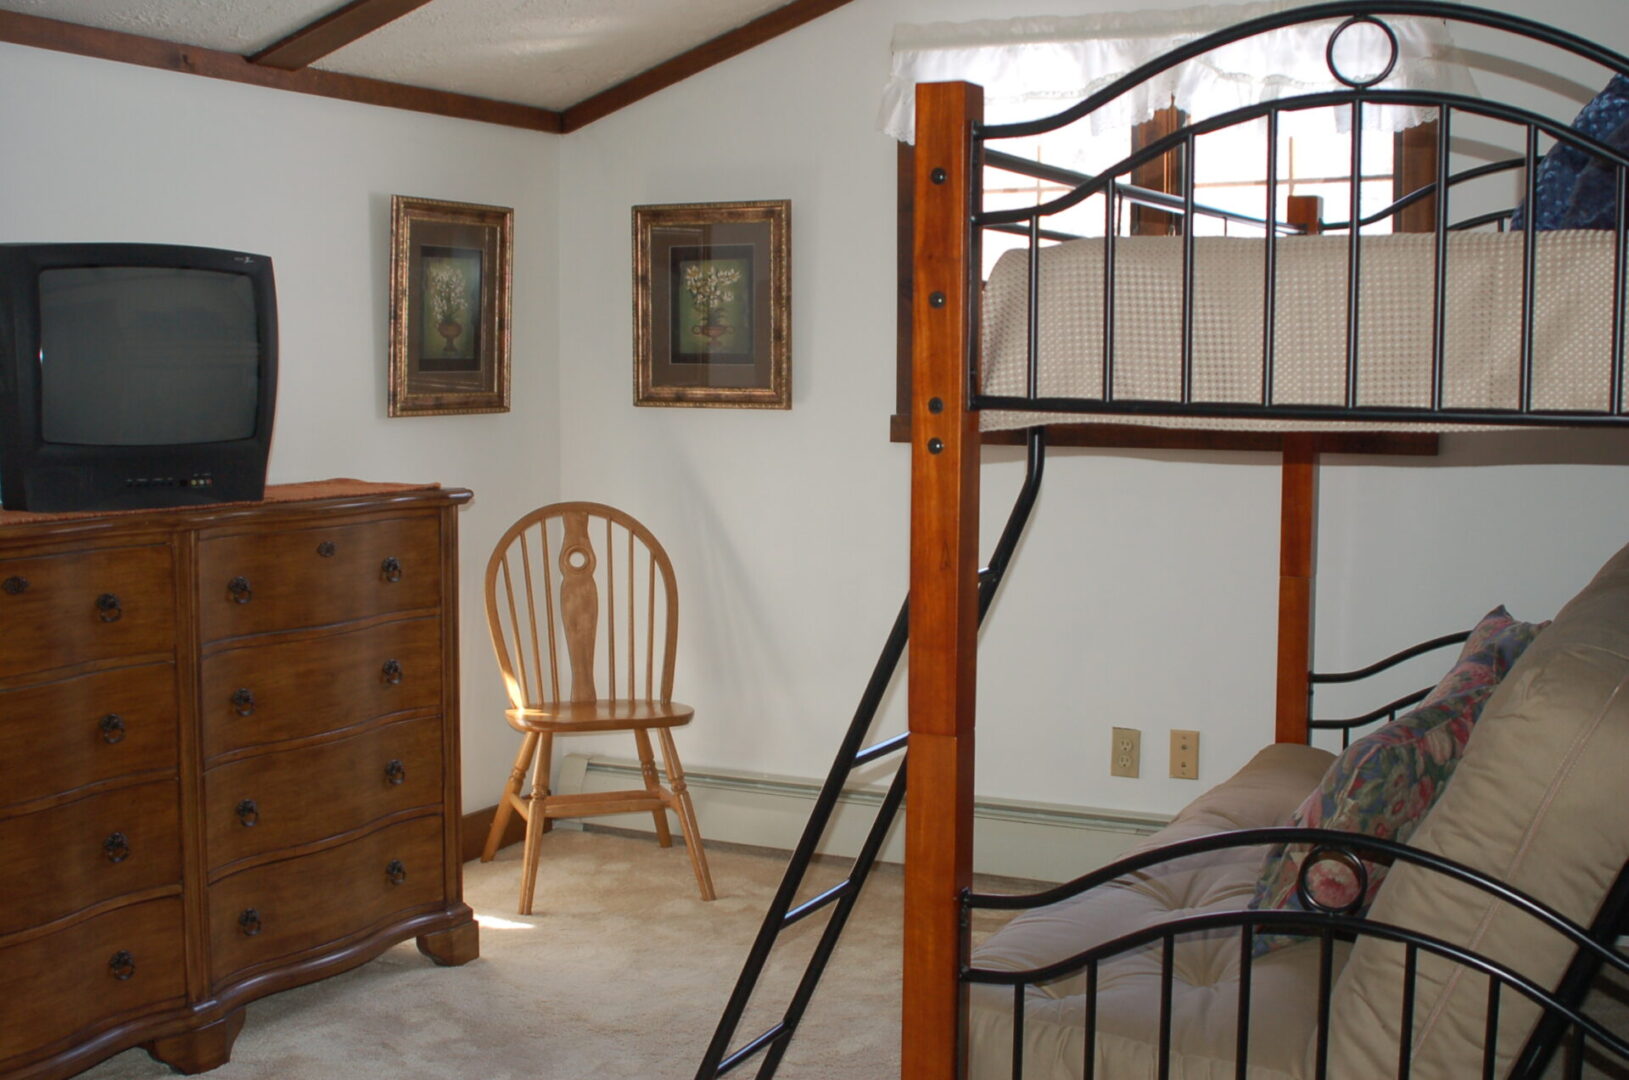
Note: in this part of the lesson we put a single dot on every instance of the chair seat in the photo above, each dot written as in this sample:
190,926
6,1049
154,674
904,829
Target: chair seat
619,714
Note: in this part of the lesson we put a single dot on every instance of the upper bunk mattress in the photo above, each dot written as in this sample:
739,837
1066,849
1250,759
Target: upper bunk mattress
1575,276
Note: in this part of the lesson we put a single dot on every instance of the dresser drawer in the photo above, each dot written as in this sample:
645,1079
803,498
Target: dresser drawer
254,582
271,801
79,731
62,860
90,975
267,692
89,605
309,903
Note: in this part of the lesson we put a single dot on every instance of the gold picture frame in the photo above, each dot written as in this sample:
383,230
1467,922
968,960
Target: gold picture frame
450,270
712,305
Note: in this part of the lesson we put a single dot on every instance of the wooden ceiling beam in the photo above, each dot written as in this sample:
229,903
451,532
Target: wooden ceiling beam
732,43
43,33
333,32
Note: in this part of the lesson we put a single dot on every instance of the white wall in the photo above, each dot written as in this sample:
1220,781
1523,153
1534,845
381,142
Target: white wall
1144,594
98,151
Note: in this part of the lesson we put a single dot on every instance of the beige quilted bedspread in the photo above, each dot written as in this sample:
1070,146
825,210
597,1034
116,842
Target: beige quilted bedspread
1574,281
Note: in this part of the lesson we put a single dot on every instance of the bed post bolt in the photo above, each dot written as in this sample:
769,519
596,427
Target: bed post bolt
938,176
936,446
937,300
936,405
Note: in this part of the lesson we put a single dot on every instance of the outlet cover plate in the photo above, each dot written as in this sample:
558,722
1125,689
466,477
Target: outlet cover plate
1185,755
1126,752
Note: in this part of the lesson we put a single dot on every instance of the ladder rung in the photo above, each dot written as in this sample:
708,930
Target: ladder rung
882,749
750,1049
812,906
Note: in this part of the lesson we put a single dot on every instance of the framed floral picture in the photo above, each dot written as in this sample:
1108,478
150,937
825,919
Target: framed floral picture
712,299
449,307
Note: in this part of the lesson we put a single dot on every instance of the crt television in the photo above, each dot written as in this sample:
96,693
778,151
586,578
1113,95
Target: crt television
134,375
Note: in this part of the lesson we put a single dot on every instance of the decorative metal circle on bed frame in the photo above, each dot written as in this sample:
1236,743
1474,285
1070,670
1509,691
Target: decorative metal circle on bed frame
1391,61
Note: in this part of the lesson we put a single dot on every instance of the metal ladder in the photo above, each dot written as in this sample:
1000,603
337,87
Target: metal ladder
851,754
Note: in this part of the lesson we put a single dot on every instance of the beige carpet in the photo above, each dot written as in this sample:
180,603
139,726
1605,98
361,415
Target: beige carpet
621,974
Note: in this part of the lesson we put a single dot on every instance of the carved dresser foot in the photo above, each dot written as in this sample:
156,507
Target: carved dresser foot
197,1051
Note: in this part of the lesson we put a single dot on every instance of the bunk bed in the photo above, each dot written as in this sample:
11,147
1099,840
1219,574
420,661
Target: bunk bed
1026,351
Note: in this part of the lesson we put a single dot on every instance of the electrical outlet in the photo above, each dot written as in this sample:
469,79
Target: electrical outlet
1128,749
1185,755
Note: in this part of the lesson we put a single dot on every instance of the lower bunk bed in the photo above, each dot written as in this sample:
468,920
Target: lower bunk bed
1196,951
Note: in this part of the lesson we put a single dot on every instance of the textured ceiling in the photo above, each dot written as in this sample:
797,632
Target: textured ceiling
545,53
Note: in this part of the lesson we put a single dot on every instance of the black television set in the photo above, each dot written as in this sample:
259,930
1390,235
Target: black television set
134,375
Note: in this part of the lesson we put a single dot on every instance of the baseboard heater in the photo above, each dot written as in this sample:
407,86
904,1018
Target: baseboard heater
1012,838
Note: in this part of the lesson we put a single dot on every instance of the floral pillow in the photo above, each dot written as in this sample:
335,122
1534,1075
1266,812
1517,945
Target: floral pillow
1558,202
1383,783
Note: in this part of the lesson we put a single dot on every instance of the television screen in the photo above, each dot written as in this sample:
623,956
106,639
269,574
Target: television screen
147,356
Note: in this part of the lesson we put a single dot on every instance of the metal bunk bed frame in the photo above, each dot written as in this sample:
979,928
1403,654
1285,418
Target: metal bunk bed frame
949,593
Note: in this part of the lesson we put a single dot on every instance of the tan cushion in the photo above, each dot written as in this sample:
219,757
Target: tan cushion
1205,980
1537,802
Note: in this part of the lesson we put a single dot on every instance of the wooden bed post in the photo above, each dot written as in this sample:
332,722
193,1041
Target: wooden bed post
1296,572
944,583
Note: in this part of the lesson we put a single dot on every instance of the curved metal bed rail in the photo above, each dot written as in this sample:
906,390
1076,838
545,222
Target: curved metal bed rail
1559,1010
1383,850
1461,103
1337,9
1389,710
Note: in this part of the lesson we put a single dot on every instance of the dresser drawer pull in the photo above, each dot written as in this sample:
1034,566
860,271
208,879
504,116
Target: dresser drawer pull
107,606
112,728
243,701
239,591
326,549
395,872
248,813
395,771
391,569
15,585
121,965
249,922
116,848
392,672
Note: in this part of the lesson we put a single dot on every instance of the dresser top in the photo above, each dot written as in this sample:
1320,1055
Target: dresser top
290,495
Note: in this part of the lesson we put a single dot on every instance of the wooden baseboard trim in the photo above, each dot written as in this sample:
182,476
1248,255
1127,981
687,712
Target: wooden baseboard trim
478,823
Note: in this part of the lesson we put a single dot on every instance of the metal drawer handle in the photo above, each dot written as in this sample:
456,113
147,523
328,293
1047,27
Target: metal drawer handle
326,549
248,813
239,591
395,872
116,848
243,701
107,606
121,965
15,585
395,771
249,922
392,672
112,728
391,569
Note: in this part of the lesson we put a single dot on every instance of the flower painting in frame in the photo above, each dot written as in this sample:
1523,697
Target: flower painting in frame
449,307
712,305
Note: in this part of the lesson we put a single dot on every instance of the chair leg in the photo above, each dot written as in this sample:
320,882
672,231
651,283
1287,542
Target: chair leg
536,825
545,771
647,767
511,790
687,814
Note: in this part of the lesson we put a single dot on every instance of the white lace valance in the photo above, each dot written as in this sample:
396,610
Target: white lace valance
1033,67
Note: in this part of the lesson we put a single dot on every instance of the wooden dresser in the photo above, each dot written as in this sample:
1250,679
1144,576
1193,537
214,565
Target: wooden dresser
228,763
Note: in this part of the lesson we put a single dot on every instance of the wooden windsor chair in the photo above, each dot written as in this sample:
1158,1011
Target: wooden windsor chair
584,614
